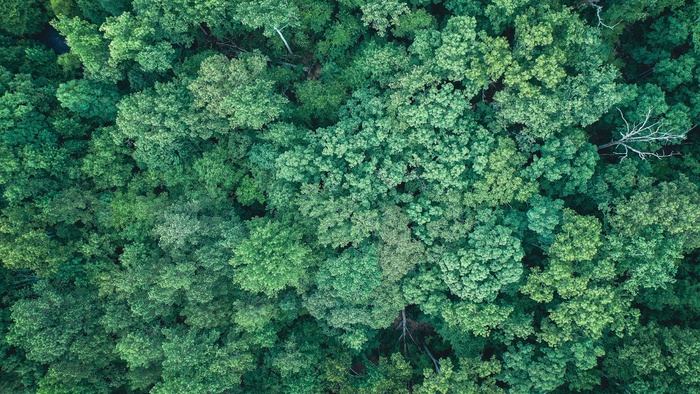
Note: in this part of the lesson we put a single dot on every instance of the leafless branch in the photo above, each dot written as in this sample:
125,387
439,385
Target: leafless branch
435,362
644,133
598,10
405,332
283,40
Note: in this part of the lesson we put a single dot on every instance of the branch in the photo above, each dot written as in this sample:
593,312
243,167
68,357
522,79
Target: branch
598,9
437,366
404,330
285,41
644,133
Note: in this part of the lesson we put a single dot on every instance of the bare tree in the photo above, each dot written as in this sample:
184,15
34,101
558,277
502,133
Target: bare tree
639,137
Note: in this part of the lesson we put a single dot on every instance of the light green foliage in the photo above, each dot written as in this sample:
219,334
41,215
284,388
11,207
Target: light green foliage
498,180
578,239
32,154
458,54
90,46
352,296
378,64
25,247
175,21
559,98
597,310
197,362
271,258
525,373
298,361
272,16
61,330
408,24
572,272
469,376
653,229
340,36
321,100
382,14
164,128
346,162
218,171
398,253
107,163
565,165
131,38
657,358
390,376
477,319
232,90
63,7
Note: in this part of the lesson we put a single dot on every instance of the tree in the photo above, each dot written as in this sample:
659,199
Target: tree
321,196
273,17
351,296
195,361
489,262
22,18
90,46
163,127
89,99
232,90
132,38
71,343
652,230
271,258
382,14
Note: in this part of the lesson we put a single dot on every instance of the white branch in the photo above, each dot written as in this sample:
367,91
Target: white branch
598,9
285,41
404,330
435,362
644,133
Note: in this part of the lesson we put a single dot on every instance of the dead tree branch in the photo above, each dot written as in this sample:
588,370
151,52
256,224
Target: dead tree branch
405,332
645,133
435,362
598,10
283,39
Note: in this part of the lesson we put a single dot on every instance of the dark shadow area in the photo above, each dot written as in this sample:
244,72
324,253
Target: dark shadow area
53,39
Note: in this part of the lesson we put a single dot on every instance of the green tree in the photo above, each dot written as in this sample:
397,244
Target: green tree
490,260
232,90
90,46
271,258
22,18
89,99
351,296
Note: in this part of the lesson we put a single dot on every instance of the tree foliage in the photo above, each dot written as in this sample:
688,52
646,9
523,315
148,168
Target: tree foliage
349,196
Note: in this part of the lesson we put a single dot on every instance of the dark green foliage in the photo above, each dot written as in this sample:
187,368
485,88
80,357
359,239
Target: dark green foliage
22,17
321,196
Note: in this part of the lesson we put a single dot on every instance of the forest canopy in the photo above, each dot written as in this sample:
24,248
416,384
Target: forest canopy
349,196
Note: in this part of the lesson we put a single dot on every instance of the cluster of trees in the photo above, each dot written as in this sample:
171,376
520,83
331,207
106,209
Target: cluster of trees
350,196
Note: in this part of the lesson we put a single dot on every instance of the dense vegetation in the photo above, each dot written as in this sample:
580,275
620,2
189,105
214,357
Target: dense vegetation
350,196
